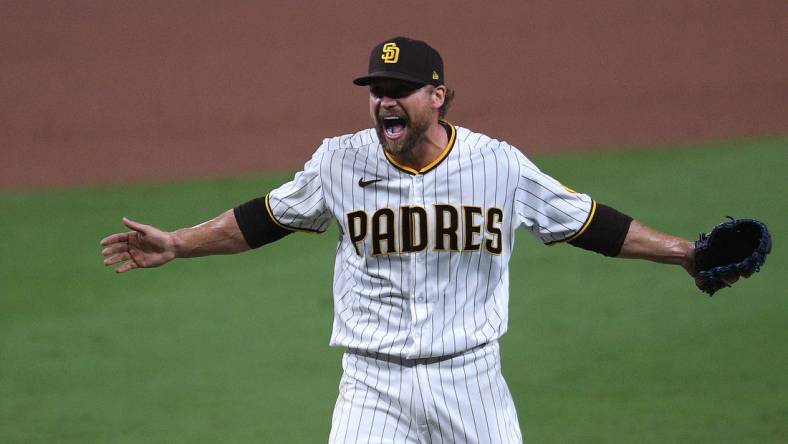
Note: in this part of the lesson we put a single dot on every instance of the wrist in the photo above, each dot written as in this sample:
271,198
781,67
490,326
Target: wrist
688,256
176,242
679,252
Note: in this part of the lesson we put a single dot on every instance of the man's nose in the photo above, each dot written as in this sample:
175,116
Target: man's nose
387,102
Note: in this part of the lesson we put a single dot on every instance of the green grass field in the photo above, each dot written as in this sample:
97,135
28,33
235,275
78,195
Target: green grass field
234,349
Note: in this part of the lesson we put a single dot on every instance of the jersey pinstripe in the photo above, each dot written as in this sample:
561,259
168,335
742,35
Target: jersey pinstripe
463,399
421,267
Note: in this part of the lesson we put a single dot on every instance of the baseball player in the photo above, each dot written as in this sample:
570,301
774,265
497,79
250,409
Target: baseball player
427,212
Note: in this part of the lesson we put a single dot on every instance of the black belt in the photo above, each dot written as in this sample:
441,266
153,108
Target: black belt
410,362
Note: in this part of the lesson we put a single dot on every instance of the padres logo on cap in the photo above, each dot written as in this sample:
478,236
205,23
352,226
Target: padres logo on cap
390,53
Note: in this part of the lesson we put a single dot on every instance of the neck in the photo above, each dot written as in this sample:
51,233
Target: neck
428,148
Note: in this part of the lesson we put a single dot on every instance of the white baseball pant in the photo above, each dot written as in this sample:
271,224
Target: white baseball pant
458,399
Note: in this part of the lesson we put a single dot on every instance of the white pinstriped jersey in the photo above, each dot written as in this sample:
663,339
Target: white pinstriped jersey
422,264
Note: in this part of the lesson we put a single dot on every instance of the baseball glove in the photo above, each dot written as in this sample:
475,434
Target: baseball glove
733,249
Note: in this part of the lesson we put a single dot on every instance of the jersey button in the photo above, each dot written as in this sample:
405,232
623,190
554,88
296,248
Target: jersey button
420,299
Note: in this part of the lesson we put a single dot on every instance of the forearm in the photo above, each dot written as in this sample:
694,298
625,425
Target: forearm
220,235
644,242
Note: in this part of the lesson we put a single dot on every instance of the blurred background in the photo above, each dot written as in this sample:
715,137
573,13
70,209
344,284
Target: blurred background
173,111
95,92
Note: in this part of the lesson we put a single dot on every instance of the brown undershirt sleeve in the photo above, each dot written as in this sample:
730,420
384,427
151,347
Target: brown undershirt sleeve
605,233
257,226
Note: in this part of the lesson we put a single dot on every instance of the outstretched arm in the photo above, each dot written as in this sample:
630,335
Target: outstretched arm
147,246
643,242
615,234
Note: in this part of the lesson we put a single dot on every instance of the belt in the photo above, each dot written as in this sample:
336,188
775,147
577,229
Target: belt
411,362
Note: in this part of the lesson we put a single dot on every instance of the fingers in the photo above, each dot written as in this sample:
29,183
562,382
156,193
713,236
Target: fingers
120,246
115,249
115,238
117,246
130,265
136,226
117,258
124,237
128,262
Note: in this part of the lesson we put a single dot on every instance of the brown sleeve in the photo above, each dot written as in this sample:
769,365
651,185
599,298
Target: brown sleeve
605,233
257,226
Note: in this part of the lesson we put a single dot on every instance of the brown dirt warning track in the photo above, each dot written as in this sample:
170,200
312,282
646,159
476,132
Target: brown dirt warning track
115,92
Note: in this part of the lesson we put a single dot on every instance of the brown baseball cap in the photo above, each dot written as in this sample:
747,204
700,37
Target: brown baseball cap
403,58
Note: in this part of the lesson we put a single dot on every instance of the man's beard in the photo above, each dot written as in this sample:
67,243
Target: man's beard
415,133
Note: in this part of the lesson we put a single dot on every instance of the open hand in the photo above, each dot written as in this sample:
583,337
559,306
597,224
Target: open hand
144,247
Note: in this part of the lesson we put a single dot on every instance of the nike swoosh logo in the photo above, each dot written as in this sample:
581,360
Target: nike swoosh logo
363,183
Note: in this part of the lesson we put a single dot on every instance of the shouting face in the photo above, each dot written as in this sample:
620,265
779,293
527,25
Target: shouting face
402,112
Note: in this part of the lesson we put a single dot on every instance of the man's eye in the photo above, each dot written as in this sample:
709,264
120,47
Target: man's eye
394,92
381,93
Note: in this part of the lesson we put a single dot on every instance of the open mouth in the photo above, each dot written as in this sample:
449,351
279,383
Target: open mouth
394,127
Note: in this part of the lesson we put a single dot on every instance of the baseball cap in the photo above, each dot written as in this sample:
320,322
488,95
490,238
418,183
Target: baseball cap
404,59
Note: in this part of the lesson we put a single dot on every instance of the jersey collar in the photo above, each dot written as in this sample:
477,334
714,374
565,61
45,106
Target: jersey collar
451,131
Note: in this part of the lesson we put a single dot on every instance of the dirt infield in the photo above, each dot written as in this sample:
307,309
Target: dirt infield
94,92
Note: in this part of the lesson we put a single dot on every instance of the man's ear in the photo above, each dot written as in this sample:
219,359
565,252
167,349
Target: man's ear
438,96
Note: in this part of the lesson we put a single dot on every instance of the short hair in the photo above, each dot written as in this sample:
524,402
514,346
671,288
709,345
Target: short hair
447,100
444,109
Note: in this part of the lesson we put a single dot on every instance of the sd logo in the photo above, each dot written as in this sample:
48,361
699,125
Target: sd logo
390,53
